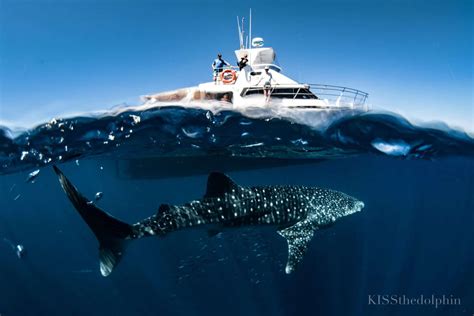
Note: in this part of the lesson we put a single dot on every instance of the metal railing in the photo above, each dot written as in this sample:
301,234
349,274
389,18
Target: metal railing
333,95
339,95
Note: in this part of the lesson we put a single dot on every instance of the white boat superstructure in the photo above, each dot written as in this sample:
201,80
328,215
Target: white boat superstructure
239,88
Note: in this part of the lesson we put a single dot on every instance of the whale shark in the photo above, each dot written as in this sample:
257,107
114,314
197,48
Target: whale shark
295,212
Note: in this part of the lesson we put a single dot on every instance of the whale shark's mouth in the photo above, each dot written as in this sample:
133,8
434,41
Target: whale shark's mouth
359,205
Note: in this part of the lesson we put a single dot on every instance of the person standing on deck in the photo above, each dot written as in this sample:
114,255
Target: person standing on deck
267,83
218,66
243,62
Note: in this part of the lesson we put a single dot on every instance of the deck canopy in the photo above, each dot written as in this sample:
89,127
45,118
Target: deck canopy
259,57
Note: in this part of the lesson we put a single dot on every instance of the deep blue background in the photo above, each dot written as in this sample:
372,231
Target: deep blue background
415,236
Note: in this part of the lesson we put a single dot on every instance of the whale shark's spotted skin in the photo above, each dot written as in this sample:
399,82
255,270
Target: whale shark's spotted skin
295,211
254,206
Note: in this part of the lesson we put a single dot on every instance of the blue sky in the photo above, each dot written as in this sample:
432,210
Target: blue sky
56,57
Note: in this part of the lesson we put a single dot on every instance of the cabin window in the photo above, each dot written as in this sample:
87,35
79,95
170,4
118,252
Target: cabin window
221,96
252,92
283,93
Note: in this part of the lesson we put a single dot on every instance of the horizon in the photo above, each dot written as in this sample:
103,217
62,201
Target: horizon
63,57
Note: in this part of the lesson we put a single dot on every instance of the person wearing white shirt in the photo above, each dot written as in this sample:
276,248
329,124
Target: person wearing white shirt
267,78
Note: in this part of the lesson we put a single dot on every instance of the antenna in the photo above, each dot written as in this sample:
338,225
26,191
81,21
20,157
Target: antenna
241,40
250,37
243,31
250,26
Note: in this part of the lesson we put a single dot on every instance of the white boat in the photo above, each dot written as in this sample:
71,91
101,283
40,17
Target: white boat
242,90
245,88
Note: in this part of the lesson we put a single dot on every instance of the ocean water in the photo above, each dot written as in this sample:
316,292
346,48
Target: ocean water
414,237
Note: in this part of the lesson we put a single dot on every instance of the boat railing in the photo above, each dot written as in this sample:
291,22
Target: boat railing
334,95
340,95
254,67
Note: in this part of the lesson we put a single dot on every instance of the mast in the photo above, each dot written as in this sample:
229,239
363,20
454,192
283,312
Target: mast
250,28
241,38
250,38
243,31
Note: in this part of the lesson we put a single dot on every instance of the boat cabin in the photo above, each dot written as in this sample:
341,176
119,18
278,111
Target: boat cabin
245,87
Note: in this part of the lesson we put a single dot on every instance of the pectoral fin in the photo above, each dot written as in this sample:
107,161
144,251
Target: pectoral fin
298,237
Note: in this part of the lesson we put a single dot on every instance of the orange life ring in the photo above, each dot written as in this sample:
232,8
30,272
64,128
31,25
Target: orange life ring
228,76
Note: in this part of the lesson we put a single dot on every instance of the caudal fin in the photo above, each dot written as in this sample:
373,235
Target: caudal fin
110,232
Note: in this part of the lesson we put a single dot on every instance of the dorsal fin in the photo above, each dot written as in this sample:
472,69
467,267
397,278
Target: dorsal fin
163,208
218,184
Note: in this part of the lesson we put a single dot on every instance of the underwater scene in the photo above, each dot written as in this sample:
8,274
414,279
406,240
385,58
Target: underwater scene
212,158
410,239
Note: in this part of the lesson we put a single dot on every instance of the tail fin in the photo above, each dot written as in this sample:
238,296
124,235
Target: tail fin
110,232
